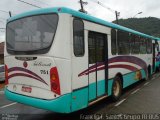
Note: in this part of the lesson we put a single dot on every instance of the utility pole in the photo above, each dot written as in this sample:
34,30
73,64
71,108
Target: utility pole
82,8
10,14
117,15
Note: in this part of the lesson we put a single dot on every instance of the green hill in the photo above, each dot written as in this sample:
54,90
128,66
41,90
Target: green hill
148,25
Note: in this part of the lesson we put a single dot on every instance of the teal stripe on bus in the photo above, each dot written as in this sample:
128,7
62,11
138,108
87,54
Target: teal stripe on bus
61,104
130,79
74,101
79,99
100,89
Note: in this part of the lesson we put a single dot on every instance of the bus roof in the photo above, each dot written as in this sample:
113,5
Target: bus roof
79,15
158,39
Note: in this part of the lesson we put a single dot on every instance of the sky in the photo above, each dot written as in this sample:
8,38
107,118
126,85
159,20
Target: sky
127,8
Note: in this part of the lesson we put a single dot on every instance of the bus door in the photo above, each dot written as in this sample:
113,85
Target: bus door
154,56
98,72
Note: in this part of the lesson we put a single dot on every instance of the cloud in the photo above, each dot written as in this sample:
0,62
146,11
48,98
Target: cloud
127,8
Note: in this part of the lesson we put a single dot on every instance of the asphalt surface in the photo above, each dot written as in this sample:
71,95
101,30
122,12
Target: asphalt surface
140,98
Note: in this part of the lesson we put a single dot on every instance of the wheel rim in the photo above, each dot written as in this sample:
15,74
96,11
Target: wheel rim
116,88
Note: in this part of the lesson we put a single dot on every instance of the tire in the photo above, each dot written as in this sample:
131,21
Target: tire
116,88
149,72
157,69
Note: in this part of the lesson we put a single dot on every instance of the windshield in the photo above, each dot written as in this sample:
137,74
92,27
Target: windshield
31,34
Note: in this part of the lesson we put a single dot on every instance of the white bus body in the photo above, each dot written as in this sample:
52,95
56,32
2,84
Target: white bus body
79,80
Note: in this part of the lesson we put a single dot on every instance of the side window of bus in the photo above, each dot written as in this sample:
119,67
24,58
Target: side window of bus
149,46
132,41
114,41
92,48
78,37
100,41
96,44
157,46
135,44
123,43
143,46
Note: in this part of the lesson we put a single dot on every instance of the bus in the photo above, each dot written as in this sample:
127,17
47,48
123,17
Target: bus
157,55
62,60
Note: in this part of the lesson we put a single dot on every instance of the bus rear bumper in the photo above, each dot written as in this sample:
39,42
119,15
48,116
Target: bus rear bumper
60,105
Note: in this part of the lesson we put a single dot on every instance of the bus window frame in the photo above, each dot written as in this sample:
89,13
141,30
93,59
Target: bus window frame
31,52
75,18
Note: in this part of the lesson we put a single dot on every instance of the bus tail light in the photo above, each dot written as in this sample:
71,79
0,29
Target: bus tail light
6,75
54,79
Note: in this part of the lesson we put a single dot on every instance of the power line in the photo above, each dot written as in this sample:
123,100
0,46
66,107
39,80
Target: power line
4,11
7,12
42,2
104,6
29,4
113,11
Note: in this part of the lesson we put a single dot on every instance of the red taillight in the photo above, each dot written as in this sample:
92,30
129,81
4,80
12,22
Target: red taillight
6,75
54,79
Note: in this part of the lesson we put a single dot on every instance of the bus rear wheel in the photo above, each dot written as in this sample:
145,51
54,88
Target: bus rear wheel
149,72
116,88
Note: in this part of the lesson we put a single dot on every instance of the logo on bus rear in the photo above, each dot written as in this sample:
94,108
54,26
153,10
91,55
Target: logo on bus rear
25,64
41,64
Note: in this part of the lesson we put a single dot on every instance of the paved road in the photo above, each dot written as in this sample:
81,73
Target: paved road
143,97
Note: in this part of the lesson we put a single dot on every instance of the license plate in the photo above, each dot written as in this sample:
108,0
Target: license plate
26,89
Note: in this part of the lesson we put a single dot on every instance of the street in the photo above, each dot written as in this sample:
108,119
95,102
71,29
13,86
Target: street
142,97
